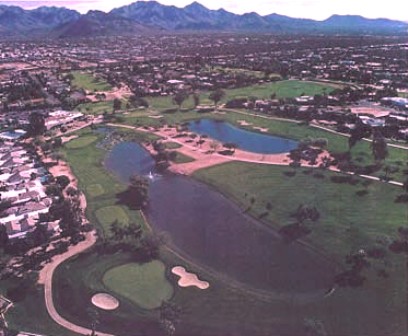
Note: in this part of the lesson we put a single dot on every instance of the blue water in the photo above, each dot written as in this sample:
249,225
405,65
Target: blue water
210,230
246,140
128,158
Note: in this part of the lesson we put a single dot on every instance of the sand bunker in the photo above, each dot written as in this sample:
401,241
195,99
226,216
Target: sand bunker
189,279
261,129
68,138
244,123
105,301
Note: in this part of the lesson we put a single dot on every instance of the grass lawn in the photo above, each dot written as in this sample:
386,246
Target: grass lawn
282,89
145,285
86,81
182,158
30,314
100,186
83,141
95,190
96,108
348,222
107,215
171,145
252,73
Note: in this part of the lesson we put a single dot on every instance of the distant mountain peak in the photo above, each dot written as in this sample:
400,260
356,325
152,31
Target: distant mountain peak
143,16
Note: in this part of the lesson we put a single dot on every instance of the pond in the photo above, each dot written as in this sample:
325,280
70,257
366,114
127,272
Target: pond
244,139
212,231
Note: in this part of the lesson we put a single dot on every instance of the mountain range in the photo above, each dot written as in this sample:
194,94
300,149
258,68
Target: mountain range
146,17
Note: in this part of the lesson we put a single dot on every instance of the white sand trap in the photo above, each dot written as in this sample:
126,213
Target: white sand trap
261,129
189,279
68,138
244,123
105,301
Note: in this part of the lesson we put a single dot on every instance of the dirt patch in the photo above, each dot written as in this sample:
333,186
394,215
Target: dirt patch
188,279
105,301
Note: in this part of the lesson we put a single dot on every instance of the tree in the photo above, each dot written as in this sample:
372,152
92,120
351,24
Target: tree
379,147
36,124
179,98
63,181
70,213
117,104
196,98
217,95
72,192
358,133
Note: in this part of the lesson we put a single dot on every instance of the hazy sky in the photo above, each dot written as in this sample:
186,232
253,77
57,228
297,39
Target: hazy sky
315,9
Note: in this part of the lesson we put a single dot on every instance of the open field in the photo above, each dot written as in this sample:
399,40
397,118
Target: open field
86,81
145,285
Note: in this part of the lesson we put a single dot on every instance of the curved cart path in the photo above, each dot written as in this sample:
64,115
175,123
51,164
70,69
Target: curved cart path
46,279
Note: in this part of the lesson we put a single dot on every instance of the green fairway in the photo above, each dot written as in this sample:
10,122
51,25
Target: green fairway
81,142
99,186
95,190
87,81
31,313
347,221
182,158
146,284
282,89
107,215
96,108
171,145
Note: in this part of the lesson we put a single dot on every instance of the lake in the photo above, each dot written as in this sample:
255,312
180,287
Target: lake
246,140
212,231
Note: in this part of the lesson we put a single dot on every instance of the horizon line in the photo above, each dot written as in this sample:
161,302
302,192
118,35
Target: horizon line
9,3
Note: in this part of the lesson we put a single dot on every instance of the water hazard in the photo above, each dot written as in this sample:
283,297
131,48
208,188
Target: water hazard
246,140
209,229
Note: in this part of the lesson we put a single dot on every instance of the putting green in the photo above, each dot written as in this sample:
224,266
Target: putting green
81,142
144,284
